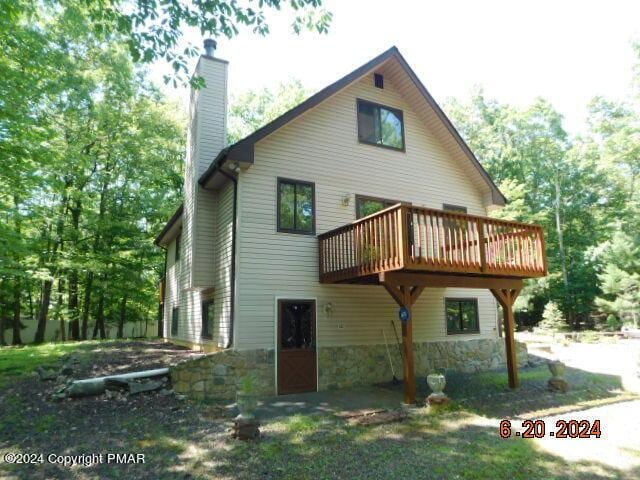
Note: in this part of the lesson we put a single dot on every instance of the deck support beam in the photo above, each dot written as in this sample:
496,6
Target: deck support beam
506,298
406,287
406,296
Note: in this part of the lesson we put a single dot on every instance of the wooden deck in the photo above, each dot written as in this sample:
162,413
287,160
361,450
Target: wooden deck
417,239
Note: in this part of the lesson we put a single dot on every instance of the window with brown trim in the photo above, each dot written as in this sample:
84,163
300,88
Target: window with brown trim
454,208
296,206
462,315
380,125
207,319
369,205
175,320
456,223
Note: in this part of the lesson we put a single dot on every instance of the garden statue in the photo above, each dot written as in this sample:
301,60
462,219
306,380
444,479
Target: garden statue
437,383
557,383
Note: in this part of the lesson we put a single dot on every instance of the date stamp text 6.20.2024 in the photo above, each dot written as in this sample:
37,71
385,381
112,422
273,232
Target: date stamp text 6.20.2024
563,429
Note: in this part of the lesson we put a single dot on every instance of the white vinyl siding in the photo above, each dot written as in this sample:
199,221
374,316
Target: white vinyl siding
322,147
222,270
190,300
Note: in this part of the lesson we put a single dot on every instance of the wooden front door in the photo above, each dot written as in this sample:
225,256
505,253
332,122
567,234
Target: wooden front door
296,346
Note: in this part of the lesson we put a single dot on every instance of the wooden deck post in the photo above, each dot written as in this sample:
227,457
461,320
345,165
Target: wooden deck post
406,296
506,298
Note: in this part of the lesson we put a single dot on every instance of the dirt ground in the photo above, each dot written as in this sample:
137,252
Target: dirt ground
31,423
303,438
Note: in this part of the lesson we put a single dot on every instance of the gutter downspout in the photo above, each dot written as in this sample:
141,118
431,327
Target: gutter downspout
233,255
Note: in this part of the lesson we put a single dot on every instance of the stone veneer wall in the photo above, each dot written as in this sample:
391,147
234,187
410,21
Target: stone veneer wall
340,367
219,375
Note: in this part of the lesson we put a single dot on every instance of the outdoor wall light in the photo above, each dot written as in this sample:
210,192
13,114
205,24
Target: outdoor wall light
346,200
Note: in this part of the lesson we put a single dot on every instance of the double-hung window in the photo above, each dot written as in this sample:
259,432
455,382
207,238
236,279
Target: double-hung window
296,206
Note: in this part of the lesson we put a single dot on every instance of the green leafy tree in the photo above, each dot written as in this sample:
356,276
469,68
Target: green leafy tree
152,30
620,277
255,108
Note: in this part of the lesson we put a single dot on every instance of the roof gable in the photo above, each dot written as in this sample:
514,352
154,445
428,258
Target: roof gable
401,72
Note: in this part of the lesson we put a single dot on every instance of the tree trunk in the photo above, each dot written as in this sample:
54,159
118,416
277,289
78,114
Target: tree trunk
17,340
100,320
43,311
86,305
63,331
2,337
74,319
31,308
74,313
561,251
123,314
160,320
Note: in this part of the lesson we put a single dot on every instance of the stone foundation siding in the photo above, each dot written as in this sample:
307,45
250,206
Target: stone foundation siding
341,367
219,375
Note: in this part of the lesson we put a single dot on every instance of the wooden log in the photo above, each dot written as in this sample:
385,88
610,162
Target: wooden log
96,386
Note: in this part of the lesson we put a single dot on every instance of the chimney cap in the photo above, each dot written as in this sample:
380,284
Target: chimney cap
209,47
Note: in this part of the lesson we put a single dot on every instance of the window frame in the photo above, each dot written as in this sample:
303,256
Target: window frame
281,180
175,321
459,300
399,113
360,198
204,305
449,207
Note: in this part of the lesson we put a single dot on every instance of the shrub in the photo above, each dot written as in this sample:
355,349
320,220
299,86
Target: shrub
552,318
613,322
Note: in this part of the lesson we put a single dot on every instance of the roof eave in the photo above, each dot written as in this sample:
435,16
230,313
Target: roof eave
172,221
244,150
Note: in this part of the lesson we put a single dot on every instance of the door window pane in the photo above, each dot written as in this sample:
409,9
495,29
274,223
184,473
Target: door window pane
297,326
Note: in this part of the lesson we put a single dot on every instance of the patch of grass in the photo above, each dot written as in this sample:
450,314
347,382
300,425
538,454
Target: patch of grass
457,445
45,423
303,423
19,361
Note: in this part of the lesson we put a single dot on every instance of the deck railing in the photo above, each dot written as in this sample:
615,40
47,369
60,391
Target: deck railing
404,237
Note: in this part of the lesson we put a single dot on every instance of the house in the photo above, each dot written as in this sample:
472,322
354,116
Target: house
356,223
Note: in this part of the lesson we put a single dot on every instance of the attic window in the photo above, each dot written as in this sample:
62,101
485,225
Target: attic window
378,80
380,125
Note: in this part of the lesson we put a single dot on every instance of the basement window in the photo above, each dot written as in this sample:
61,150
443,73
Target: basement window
296,206
175,318
379,125
207,319
462,315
